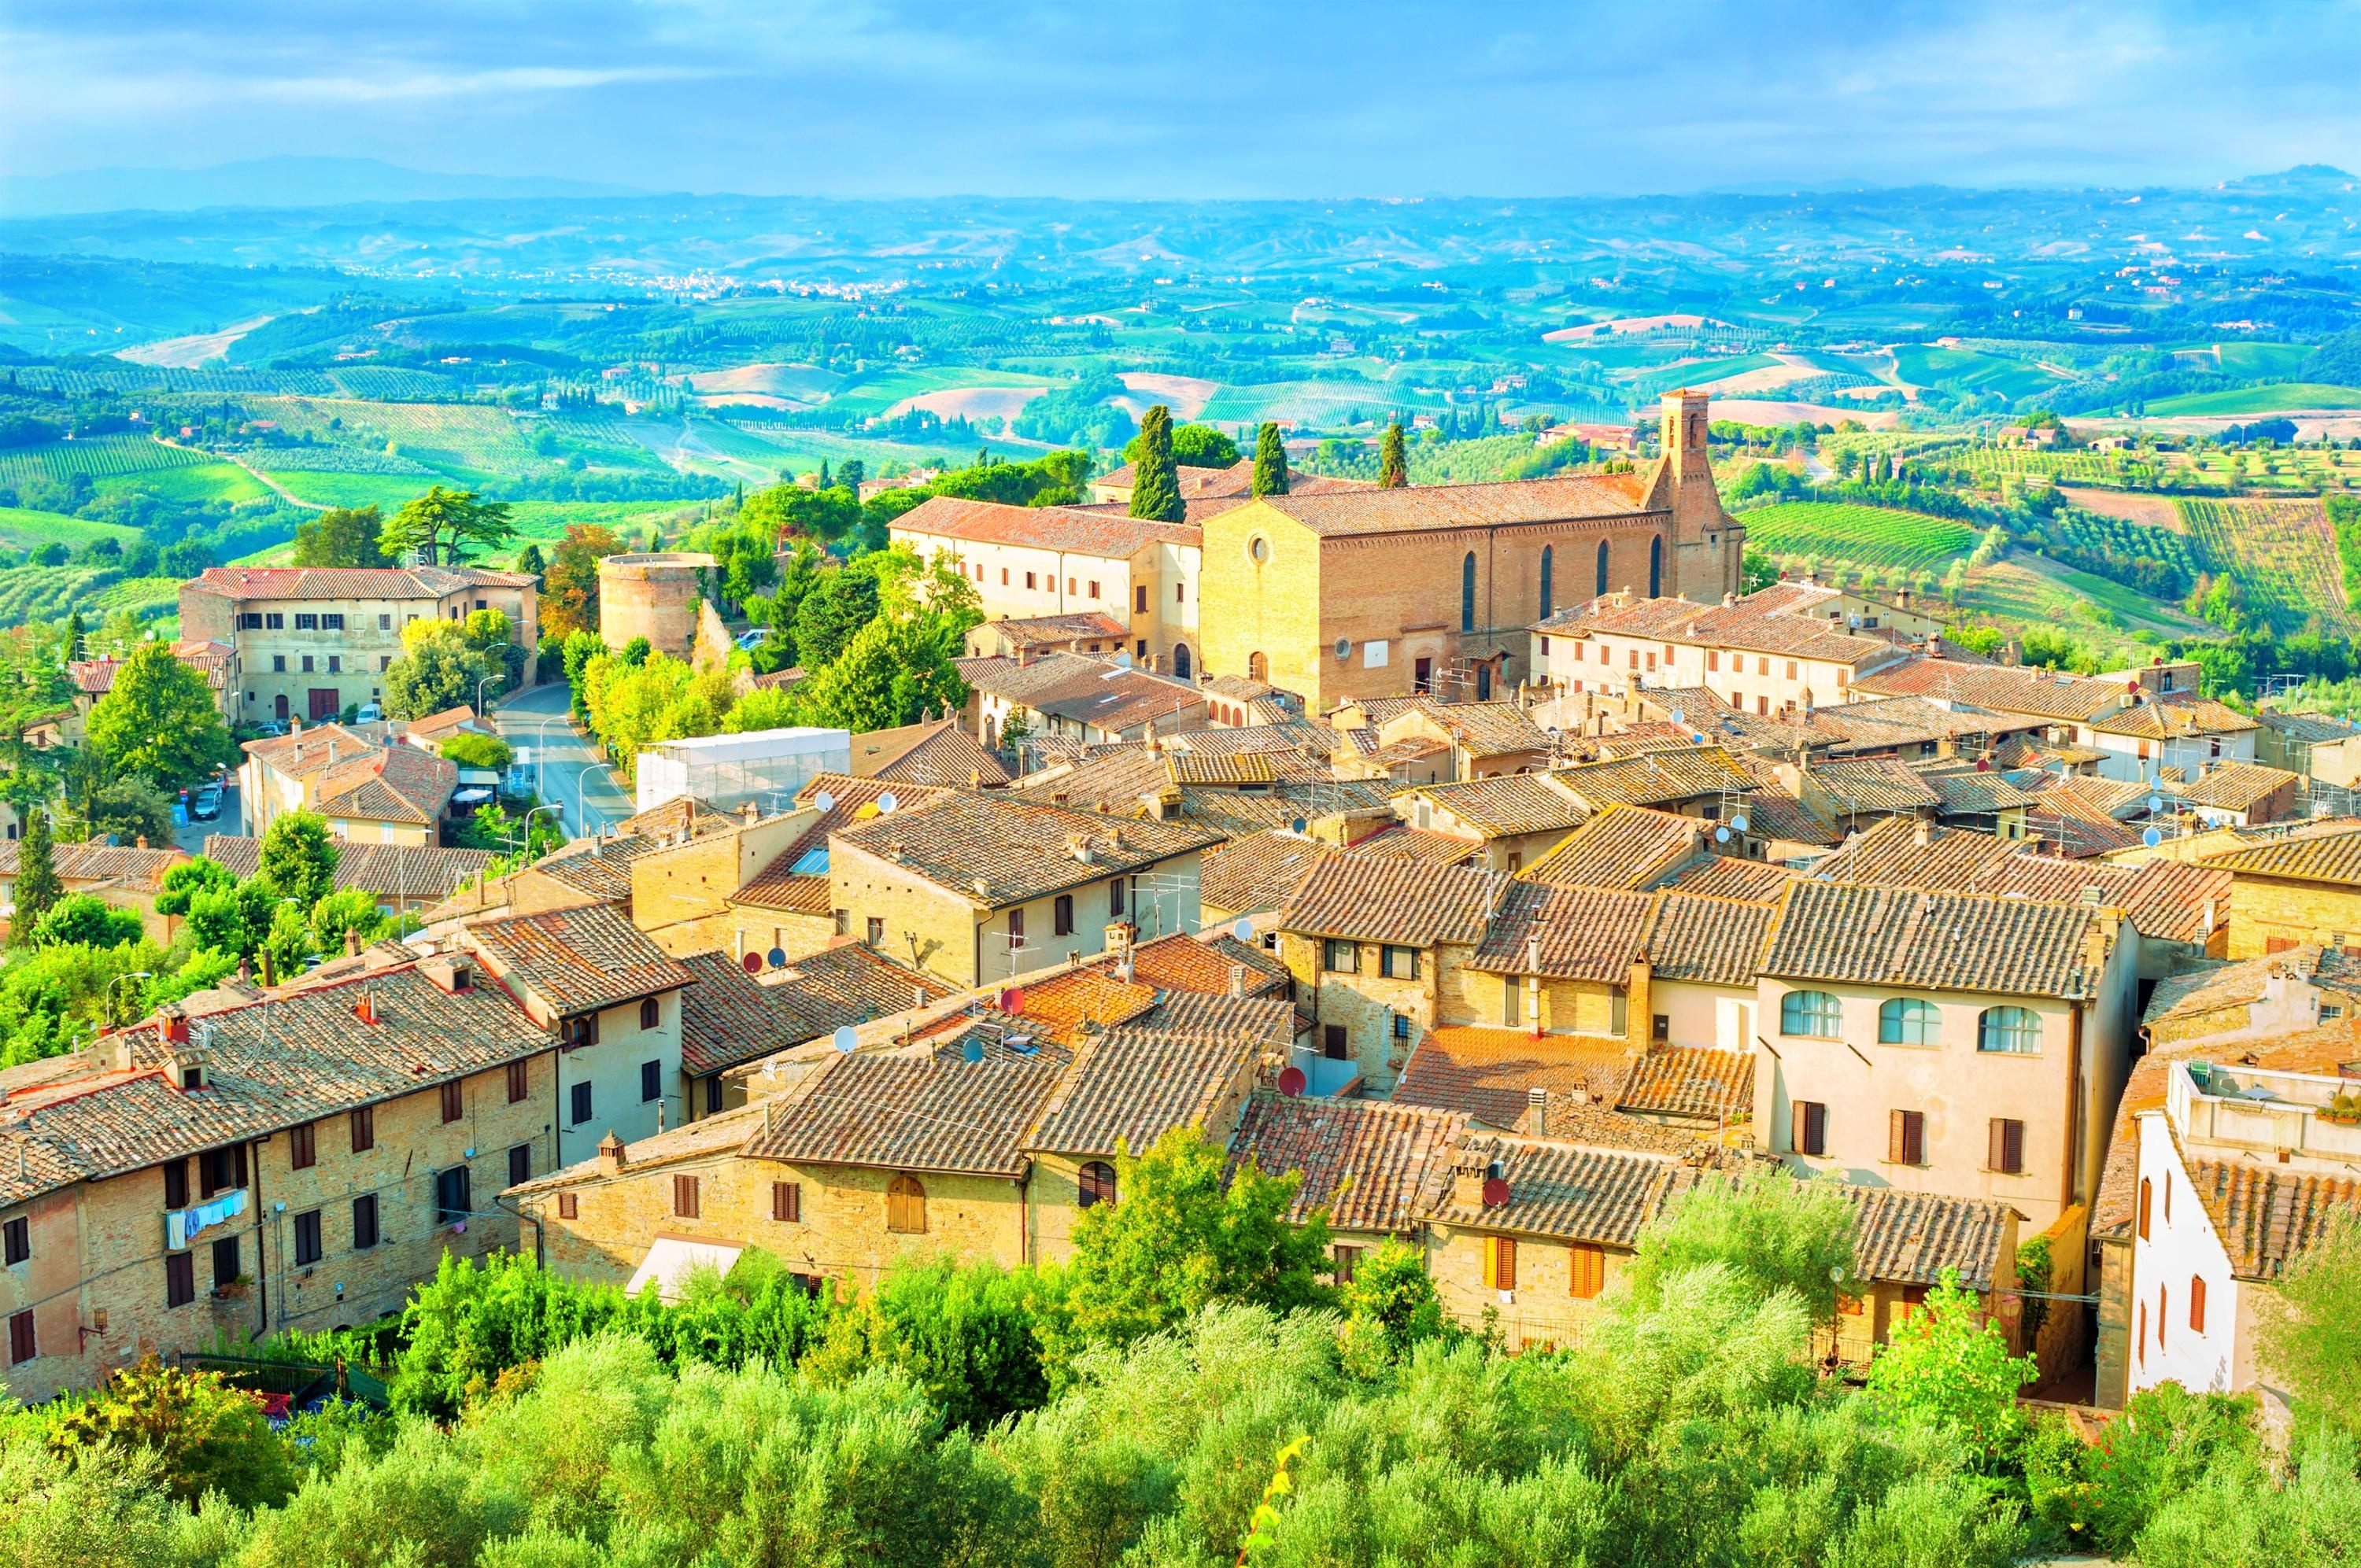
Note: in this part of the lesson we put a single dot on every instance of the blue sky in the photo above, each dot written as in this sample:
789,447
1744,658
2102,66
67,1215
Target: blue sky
1209,99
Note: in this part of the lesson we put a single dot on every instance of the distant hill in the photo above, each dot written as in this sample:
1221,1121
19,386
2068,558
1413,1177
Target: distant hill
290,181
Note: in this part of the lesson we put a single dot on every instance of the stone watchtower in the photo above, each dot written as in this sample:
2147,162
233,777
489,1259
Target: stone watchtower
1707,543
652,596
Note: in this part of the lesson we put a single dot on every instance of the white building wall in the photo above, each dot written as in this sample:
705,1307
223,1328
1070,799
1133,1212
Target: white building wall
2181,1247
611,1068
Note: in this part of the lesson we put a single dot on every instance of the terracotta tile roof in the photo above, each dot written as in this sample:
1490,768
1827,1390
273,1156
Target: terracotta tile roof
1182,962
300,753
1890,853
1507,803
1910,1238
723,1132
1248,875
2187,996
298,1057
442,726
2331,857
1235,813
2266,1217
2167,901
600,867
1568,1191
388,784
2008,689
1130,1087
850,803
1076,1003
577,960
1775,816
939,753
1566,932
2175,717
1368,1165
1401,841
1489,1073
1416,507
1875,785
1076,530
1728,876
1049,630
349,582
2236,786
96,677
1713,941
395,870
1697,1082
2313,729
1657,779
996,850
1764,623
2078,828
1968,793
2120,798
1082,689
1391,900
1489,729
124,865
906,1112
1623,845
1931,941
729,1016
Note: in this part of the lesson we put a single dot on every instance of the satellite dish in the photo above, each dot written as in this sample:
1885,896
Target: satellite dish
886,802
1496,1191
825,801
845,1038
2155,802
753,964
2152,837
1012,999
1344,647
1243,930
972,1049
1296,826
1721,835
1291,1081
778,956
1678,716
1739,822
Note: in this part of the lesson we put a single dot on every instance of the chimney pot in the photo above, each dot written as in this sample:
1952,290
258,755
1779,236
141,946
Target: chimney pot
1537,1112
610,1155
140,841
1924,832
352,942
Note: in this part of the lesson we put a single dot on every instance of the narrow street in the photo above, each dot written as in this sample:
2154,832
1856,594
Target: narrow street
573,775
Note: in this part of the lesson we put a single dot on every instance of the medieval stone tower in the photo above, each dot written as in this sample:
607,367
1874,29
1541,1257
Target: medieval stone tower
1709,545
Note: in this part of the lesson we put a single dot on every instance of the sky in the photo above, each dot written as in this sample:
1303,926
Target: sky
1212,99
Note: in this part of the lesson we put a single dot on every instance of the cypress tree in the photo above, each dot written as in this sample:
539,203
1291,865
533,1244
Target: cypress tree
1155,478
1394,459
1271,462
37,887
74,632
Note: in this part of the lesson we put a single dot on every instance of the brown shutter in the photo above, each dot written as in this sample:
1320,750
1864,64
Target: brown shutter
569,1206
2006,1153
684,1196
240,1166
2147,1193
2196,1304
1808,1127
517,1085
365,1129
1586,1270
786,1201
1905,1138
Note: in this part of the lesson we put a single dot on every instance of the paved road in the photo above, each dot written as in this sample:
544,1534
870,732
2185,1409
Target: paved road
573,774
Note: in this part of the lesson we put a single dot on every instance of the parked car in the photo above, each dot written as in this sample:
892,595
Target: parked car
370,714
205,805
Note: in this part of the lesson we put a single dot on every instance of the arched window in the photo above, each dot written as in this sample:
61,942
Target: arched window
1602,565
1549,560
905,1207
1905,1022
2014,1030
1467,593
1181,660
1813,1013
1257,667
1656,566
1097,1183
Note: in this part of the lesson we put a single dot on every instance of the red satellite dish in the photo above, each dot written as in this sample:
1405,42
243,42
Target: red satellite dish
1012,999
1496,1193
1291,1081
752,963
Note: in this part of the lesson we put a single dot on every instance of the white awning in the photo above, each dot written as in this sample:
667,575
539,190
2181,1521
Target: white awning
671,1260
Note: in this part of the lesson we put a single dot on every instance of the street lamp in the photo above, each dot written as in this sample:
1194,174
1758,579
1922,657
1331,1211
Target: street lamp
582,800
479,693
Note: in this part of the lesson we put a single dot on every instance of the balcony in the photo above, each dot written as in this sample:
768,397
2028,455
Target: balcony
2294,1115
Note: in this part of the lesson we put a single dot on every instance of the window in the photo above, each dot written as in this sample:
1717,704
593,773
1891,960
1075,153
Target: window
180,1279
219,1169
1549,560
684,1196
1656,568
1791,669
1812,1012
519,1082
226,1266
2143,1334
2163,1313
1257,667
1061,915
1905,1138
455,1100
520,1163
1618,1014
905,1207
250,621
1602,565
651,1013
2014,1031
1094,587
21,1348
1586,1270
875,929
278,664
1138,597
1032,579
273,620
2147,1200
451,1195
1179,593
335,664
307,664
307,1238
1341,957
570,1205
1344,1262
651,1081
713,1095
176,1184
2007,1153
1903,1021
385,623
363,1125
1334,1043
1115,899
20,1239
1017,928
1467,593
1097,1184
788,1202
2196,1304
1807,1131
365,1223
1398,963
1500,1262
573,1034
581,1107
1401,1026
302,1147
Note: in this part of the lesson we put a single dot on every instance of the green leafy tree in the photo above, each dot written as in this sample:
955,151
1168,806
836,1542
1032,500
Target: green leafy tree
776,611
2308,1335
1155,477
529,559
790,511
1393,459
1194,447
2099,1496
469,750
182,883
231,920
126,808
37,888
208,1436
352,910
445,528
160,720
1772,1230
435,670
1947,1368
764,707
287,943
74,635
1178,1238
1390,1307
833,611
341,536
299,858
84,919
1271,462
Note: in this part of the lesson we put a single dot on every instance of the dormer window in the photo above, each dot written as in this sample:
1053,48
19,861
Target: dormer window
192,1078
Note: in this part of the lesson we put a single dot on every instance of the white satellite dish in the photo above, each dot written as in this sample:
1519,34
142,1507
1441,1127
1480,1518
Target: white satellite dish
1721,835
825,801
2155,802
845,1038
886,802
1243,930
1739,822
2152,837
1678,716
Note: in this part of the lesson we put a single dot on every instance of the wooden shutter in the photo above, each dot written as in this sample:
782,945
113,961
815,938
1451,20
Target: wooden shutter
1905,1138
2147,1193
21,1347
517,1085
1586,1270
303,1149
1500,1262
569,1206
788,1202
365,1129
2196,1304
905,1207
684,1196
1808,1127
2006,1151
237,1163
453,1105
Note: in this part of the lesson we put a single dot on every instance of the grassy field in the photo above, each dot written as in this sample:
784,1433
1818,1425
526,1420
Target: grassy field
1869,536
198,482
874,393
322,489
2283,554
22,528
1700,375
1922,366
2284,398
2029,590
100,456
1319,404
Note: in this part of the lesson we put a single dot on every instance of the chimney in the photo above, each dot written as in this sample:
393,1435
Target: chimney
1903,598
1466,1181
449,973
365,1008
352,941
1923,832
332,751
171,1025
1118,939
268,981
1537,1112
1727,599
749,814
610,1155
1148,738
295,726
245,972
140,841
1024,655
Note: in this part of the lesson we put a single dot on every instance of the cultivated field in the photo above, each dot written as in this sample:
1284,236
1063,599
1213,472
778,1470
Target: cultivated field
1869,536
2291,397
1186,395
100,456
2282,552
22,528
2131,506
